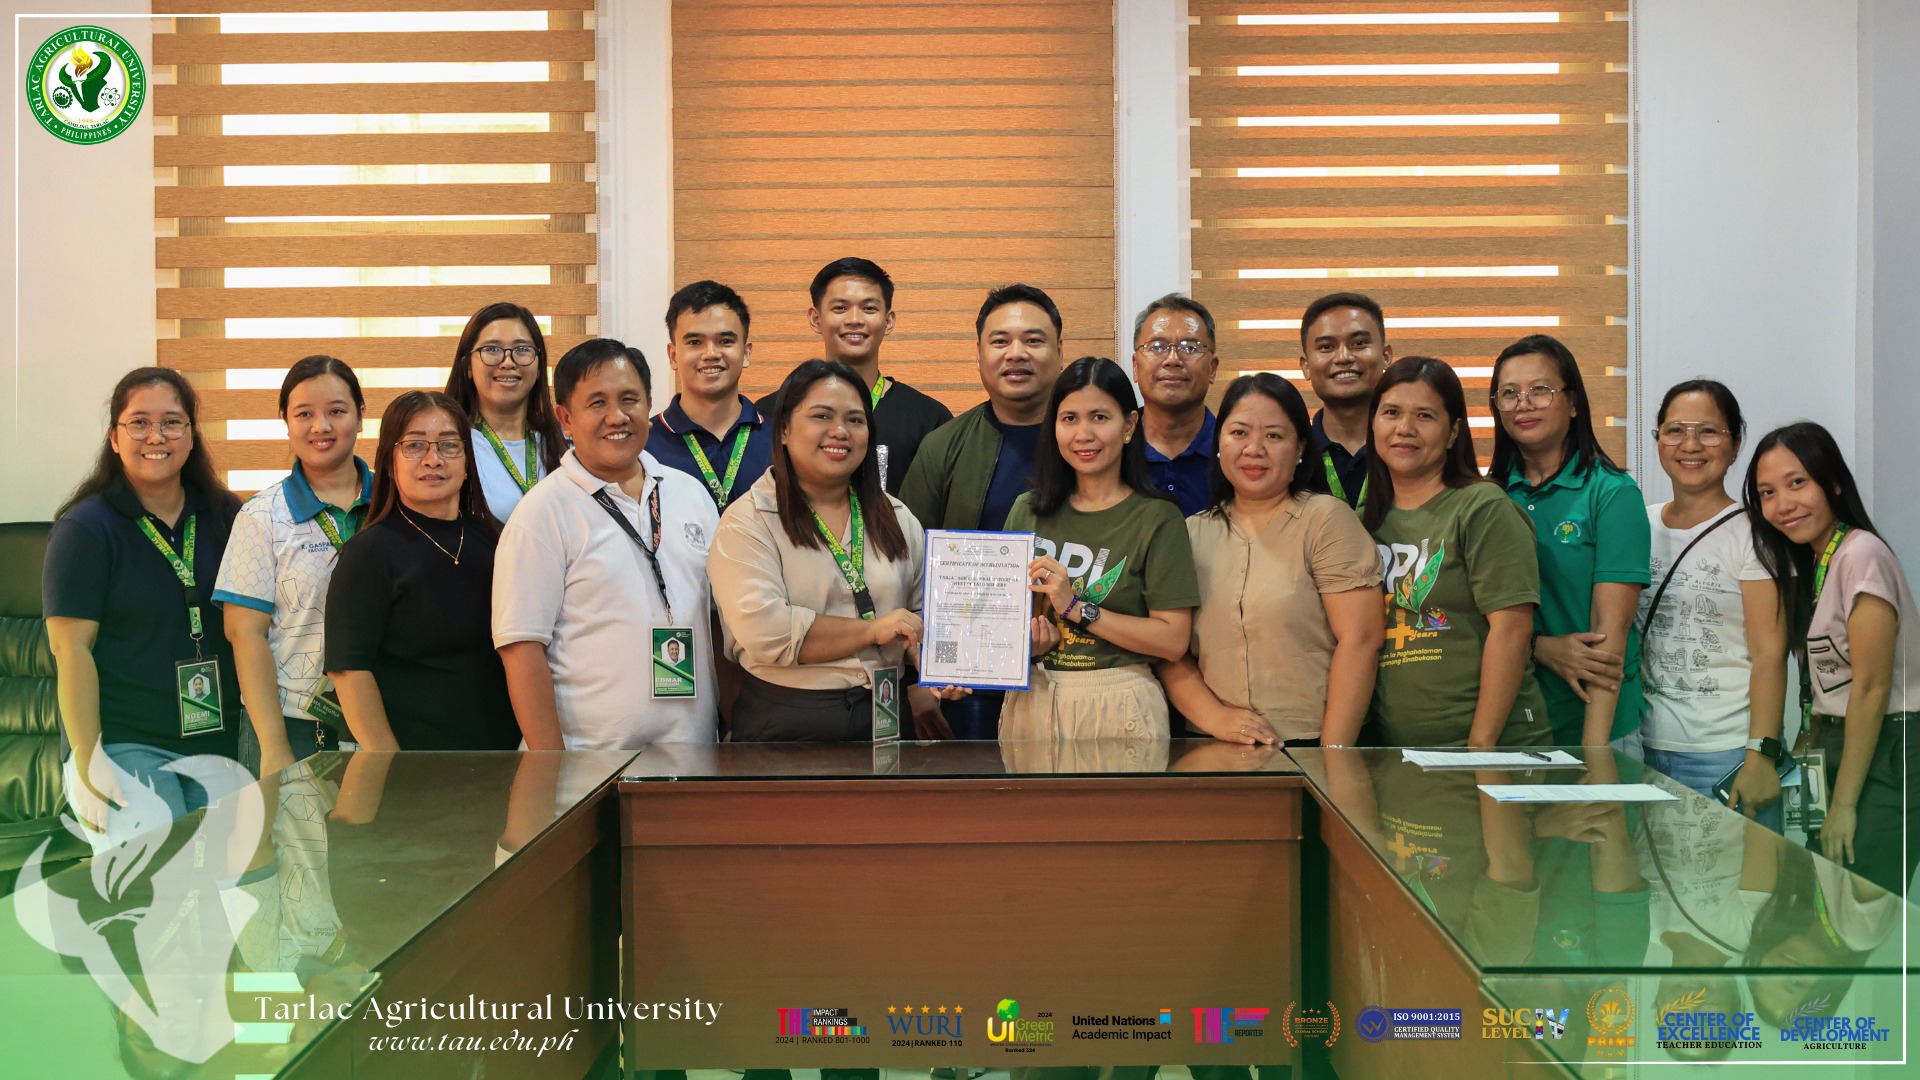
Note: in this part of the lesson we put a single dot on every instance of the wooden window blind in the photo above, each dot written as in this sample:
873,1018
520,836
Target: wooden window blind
1464,162
353,180
960,145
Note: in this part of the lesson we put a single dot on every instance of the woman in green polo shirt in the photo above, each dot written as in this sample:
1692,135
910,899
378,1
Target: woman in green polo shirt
1460,576
1592,537
1114,561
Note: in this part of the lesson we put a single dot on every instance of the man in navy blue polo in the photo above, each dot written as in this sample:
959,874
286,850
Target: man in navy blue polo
710,431
1174,364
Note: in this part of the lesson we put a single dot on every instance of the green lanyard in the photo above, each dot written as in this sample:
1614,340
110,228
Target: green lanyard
532,475
182,564
853,557
332,526
1840,532
1333,479
720,488
880,386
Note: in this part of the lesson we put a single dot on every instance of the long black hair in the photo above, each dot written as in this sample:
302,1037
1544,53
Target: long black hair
1457,469
1582,446
1307,474
796,514
393,425
540,417
1054,481
198,472
1791,564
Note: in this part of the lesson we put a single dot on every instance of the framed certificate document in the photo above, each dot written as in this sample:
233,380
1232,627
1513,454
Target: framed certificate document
976,608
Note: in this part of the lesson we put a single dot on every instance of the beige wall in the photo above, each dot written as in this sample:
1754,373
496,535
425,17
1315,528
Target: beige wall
76,277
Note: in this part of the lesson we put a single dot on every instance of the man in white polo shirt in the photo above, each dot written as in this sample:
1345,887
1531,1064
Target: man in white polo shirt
579,614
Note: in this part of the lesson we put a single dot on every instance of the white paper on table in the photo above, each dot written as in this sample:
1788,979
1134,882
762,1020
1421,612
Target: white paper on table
1491,759
1557,793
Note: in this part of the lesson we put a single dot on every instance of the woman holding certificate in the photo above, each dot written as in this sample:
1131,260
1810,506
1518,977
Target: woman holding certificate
817,571
1284,572
1115,564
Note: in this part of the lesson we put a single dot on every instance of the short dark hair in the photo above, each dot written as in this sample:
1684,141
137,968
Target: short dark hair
1459,468
702,295
1582,444
585,358
1339,300
851,266
1723,400
1174,301
1054,481
1017,294
313,367
796,513
1307,474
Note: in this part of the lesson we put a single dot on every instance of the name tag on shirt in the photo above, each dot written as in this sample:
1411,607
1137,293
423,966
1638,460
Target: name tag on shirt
673,662
324,705
886,704
200,707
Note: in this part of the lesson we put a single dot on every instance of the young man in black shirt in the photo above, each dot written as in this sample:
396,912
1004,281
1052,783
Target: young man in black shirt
853,314
1343,351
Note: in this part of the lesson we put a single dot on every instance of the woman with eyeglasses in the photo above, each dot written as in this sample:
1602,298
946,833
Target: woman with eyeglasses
1850,617
1590,532
410,608
1715,654
127,594
1460,576
499,379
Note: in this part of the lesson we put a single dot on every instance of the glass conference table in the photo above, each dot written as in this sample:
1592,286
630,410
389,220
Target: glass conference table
940,906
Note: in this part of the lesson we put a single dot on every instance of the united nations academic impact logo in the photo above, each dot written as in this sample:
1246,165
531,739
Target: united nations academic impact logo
86,84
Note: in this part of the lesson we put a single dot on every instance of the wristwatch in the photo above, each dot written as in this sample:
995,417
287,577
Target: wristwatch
1769,748
1089,614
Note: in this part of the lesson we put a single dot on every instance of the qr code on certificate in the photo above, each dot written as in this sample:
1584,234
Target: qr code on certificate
946,652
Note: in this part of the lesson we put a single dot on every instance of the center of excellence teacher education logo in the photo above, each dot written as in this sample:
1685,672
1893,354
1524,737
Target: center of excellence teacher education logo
86,84
1017,1034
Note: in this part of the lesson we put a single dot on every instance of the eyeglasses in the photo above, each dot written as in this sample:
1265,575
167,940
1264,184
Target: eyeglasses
492,355
1189,348
1675,433
415,449
173,427
1540,397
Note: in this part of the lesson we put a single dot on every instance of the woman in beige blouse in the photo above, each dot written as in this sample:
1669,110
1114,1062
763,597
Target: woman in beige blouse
817,572
1291,618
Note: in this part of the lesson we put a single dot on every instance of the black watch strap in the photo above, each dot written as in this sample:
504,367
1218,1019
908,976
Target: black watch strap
1771,749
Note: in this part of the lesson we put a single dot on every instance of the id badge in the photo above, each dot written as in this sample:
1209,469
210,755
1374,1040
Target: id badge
673,662
324,705
886,704
198,682
1813,785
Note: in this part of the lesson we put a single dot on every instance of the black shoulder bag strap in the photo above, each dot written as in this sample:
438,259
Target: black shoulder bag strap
1667,579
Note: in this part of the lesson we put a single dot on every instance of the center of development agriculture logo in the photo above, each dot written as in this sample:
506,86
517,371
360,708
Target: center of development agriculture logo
86,84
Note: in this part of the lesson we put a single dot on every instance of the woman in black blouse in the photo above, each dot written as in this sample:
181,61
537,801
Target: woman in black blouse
409,610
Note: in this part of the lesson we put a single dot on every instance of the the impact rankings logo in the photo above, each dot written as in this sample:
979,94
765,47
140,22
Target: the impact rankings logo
86,84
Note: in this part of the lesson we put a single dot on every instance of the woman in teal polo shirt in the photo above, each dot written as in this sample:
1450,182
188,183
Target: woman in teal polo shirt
1591,534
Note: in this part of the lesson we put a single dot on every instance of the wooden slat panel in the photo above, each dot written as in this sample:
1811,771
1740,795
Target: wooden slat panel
1213,46
265,404
535,249
1582,144
1091,168
844,148
476,148
218,354
1233,95
367,301
704,20
242,7
1024,120
1093,272
1582,245
1590,294
891,69
471,46
1596,346
374,200
177,99
1047,254
723,98
858,223
982,45
1397,196
915,197
1223,8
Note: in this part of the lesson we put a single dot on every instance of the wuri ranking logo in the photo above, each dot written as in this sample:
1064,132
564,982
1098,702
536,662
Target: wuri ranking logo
86,84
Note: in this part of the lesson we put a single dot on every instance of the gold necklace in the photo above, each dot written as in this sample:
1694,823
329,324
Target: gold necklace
458,548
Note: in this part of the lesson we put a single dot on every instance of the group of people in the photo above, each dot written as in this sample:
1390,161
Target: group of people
535,557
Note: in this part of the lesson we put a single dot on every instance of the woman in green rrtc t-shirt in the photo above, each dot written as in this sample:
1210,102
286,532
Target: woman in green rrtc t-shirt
1591,536
1460,575
1114,563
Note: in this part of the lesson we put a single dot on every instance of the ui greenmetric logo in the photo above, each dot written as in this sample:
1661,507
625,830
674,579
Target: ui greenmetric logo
86,84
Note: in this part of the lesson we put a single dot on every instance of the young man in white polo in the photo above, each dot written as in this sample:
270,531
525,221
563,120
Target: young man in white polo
602,568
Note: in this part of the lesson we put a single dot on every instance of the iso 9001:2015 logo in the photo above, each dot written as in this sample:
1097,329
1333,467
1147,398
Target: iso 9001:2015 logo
85,84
